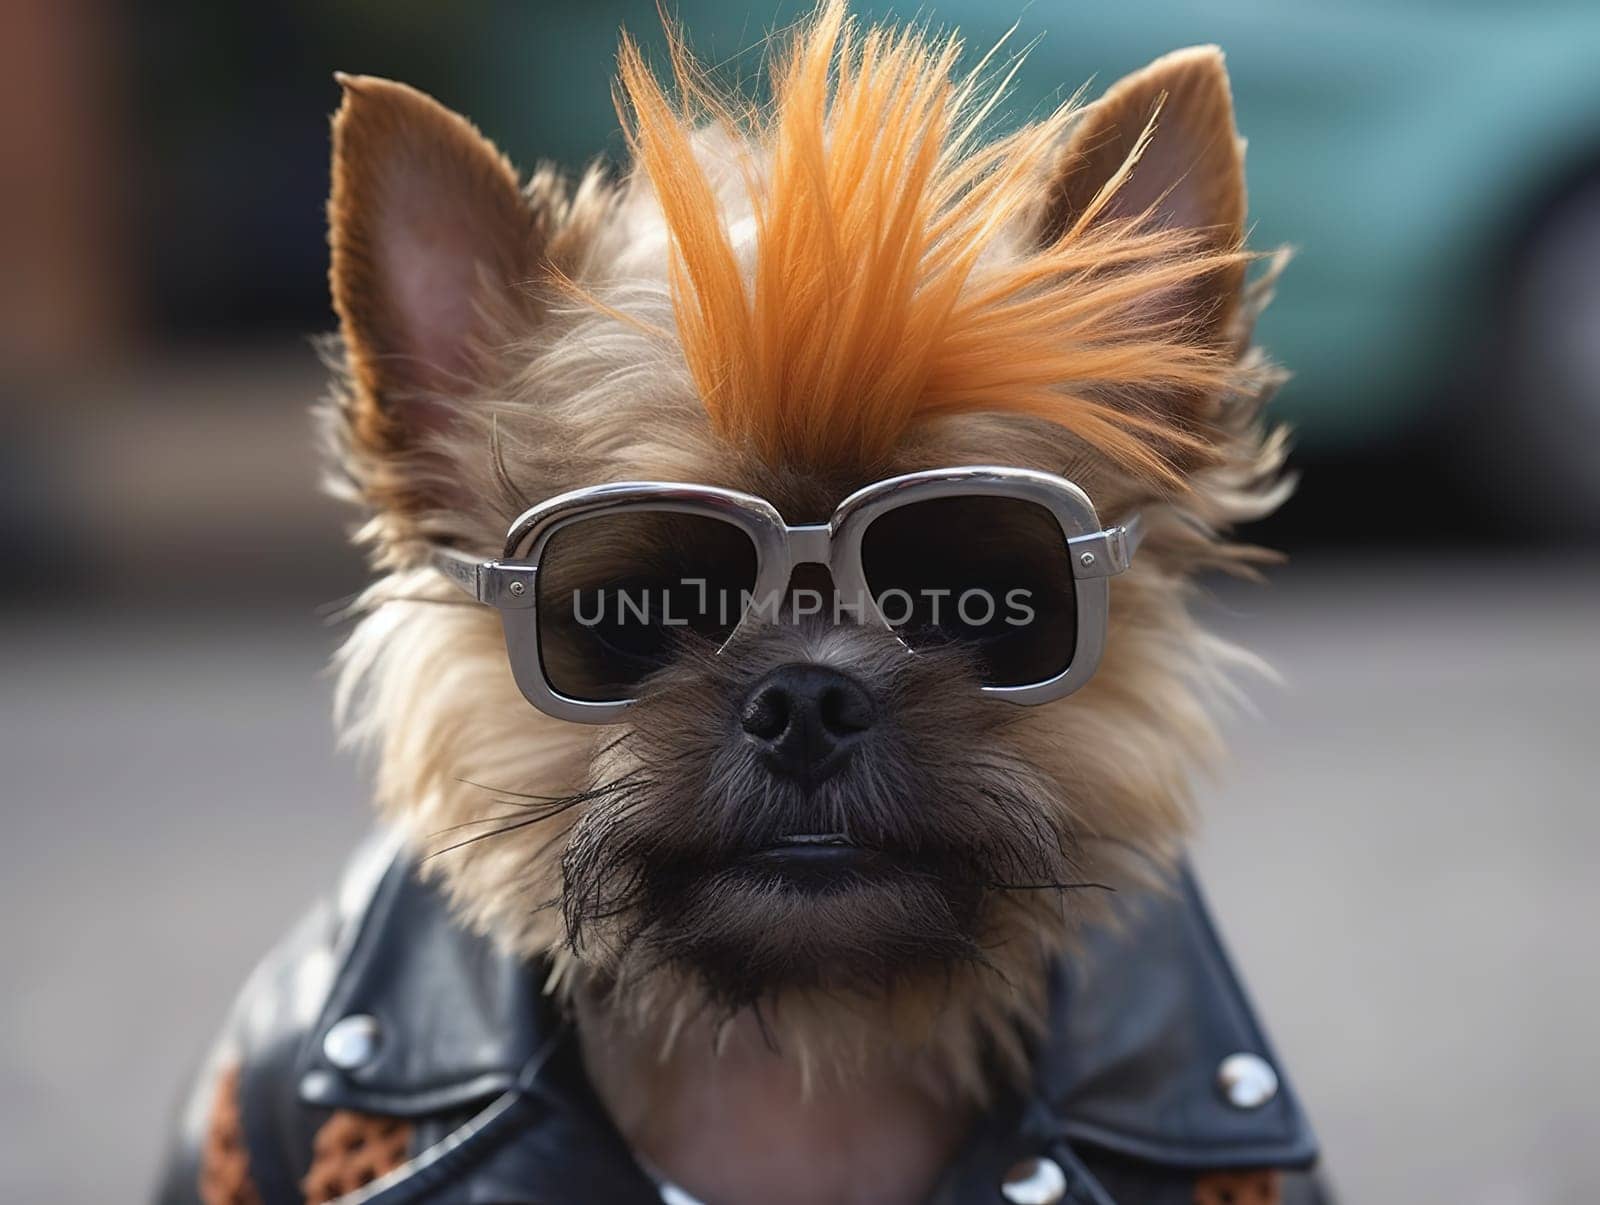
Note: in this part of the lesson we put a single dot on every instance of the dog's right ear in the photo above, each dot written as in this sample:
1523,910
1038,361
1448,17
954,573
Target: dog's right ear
435,253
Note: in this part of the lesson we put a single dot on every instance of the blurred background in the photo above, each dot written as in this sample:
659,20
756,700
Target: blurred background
1404,855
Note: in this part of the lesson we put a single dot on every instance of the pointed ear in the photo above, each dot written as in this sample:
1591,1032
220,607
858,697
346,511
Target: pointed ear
433,249
1189,176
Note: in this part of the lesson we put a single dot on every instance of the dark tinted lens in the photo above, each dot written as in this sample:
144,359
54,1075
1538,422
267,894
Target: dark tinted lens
620,593
991,573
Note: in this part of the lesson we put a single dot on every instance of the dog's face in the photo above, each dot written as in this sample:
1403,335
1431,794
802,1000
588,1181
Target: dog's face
812,812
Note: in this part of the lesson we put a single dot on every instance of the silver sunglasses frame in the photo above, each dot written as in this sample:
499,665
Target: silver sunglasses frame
509,583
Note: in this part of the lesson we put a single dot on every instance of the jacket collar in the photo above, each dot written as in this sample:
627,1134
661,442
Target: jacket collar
1141,1025
1146,1031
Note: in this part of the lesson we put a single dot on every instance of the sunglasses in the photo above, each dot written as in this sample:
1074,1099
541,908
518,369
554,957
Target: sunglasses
602,586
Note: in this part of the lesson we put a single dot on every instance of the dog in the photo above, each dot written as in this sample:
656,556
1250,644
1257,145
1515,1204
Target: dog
719,864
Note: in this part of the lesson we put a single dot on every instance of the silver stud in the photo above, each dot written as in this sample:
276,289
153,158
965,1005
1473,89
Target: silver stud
671,1194
317,1086
517,588
1246,1081
352,1042
1086,560
1034,1182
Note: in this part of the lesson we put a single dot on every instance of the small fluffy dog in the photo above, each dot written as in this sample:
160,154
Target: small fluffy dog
780,673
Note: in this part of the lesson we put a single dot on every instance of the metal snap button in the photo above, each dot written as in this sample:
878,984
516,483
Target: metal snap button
1034,1182
352,1042
1246,1081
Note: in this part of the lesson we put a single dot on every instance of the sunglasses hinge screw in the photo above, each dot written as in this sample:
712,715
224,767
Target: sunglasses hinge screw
1086,560
517,588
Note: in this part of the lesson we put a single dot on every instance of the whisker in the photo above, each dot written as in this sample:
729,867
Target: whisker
614,742
454,828
510,797
499,832
1051,887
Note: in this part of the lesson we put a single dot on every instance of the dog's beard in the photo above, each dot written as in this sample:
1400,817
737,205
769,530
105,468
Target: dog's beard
671,868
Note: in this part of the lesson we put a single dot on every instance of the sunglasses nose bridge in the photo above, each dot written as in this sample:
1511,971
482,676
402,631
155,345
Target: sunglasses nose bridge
811,544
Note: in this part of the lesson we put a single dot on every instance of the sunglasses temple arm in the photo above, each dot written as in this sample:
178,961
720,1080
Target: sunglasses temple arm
1109,552
458,567
509,587
1132,536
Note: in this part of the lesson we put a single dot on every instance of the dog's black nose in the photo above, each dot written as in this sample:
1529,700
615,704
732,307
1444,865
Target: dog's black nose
807,719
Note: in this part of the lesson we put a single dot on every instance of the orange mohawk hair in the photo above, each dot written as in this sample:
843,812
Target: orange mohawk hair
881,292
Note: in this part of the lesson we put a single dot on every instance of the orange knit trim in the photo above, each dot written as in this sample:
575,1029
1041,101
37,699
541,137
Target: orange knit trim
1239,1188
350,1151
224,1159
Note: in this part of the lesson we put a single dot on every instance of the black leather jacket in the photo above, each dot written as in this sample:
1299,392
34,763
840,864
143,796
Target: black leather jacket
464,1044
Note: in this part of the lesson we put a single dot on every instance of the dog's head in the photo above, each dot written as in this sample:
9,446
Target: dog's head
795,303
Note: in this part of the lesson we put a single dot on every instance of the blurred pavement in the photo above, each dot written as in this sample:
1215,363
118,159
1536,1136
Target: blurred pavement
1403,859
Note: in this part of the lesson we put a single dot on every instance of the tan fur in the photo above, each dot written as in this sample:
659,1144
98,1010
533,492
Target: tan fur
577,386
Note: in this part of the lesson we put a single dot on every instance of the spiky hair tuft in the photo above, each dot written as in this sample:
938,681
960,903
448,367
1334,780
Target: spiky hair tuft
877,295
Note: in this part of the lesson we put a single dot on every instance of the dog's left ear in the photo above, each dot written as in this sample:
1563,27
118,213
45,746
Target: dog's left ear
435,251
1189,176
